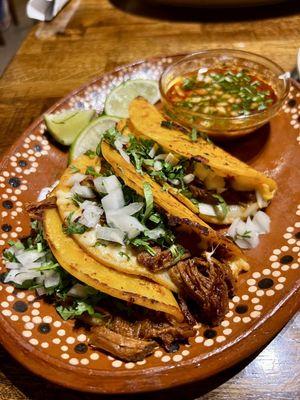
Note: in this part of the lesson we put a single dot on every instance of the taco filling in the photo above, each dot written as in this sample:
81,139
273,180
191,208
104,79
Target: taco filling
107,251
205,178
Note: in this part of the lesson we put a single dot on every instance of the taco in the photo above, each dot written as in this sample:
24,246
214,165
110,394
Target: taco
209,181
111,247
127,223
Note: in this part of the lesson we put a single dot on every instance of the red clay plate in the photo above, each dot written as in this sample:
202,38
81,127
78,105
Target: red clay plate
266,298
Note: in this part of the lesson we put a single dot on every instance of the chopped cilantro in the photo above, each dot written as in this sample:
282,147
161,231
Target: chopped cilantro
91,171
245,235
77,199
74,169
144,245
90,153
149,199
166,124
71,228
123,254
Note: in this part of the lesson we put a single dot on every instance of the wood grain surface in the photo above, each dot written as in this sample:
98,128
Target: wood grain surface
92,36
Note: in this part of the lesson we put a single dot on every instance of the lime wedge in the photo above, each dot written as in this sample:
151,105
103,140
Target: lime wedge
66,125
91,136
118,100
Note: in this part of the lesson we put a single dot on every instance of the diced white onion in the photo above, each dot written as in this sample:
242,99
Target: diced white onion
207,209
78,290
90,215
200,73
126,223
246,234
114,200
52,279
99,184
12,265
171,159
119,144
152,151
154,233
131,209
28,257
157,165
124,155
250,210
75,178
45,191
260,201
20,277
174,182
43,194
110,234
40,291
161,157
83,191
106,184
188,178
234,211
262,220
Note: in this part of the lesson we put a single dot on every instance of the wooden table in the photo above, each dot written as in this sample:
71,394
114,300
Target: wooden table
92,36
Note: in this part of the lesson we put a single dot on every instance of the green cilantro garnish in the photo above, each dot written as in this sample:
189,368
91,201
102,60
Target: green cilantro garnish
245,235
91,171
71,228
74,169
144,245
166,124
221,208
149,200
90,153
123,254
77,199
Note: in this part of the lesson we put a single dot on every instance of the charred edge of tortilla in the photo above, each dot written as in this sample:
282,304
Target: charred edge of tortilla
200,159
177,221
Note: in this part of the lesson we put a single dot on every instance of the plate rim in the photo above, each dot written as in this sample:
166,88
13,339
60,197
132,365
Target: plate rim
32,358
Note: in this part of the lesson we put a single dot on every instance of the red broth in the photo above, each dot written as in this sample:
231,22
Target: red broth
222,92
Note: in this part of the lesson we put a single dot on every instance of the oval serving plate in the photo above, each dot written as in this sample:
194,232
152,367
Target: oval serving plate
266,297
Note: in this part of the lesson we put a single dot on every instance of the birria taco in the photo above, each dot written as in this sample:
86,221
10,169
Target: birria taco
209,181
143,268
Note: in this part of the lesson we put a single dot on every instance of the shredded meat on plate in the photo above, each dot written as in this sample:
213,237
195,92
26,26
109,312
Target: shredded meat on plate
208,284
36,210
132,340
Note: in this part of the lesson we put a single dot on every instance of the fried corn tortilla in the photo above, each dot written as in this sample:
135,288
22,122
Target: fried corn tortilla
145,120
174,209
117,284
111,255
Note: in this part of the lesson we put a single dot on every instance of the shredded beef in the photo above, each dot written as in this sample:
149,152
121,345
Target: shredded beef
237,197
207,283
36,210
203,195
132,338
163,259
123,347
231,196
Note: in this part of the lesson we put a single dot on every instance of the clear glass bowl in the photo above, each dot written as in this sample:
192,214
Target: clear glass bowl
219,126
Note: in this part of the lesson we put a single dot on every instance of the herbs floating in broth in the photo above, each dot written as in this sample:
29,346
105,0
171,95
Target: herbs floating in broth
222,92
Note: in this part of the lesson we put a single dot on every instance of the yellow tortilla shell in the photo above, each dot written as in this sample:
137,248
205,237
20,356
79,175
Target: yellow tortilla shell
172,206
111,255
146,121
86,269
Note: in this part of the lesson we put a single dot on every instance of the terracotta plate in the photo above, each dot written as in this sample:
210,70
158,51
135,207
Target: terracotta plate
266,298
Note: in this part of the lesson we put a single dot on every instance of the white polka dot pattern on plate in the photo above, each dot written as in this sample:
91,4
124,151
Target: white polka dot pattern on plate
26,161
